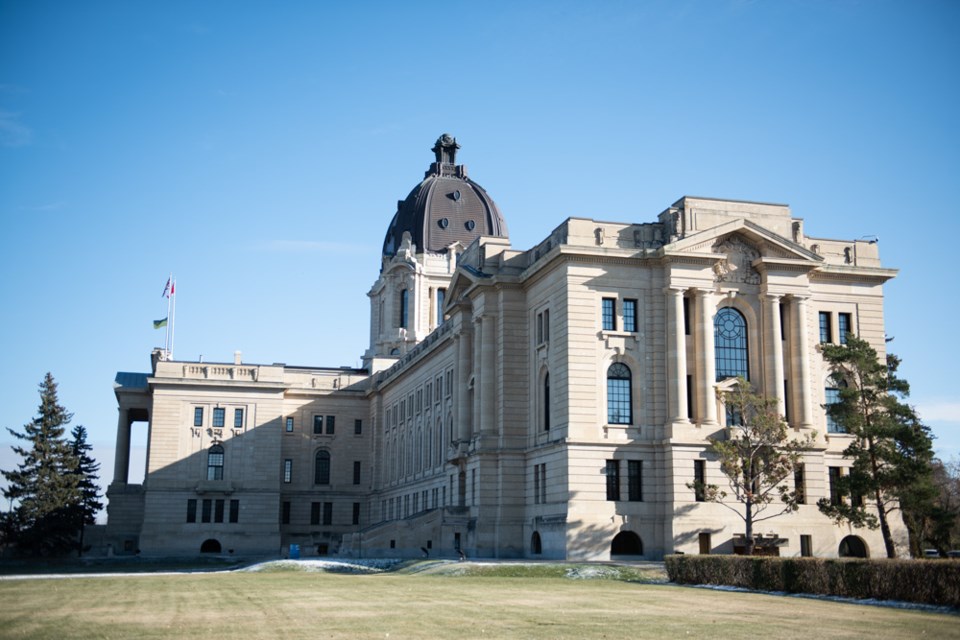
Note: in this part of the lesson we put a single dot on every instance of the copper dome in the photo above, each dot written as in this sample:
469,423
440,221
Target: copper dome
445,208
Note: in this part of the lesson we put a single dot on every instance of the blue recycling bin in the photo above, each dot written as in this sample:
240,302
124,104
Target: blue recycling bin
294,552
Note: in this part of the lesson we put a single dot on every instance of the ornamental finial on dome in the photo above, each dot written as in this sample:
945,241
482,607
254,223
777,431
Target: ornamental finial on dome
445,149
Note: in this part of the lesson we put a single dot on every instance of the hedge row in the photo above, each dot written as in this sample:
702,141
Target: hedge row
935,582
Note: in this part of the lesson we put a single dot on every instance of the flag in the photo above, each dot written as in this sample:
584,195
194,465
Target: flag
160,324
166,288
173,287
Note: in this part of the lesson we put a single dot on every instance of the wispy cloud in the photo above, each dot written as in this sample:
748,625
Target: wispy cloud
13,133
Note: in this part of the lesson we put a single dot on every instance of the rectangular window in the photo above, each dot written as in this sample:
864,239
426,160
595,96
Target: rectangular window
219,417
844,326
218,510
609,314
356,472
635,480
449,377
327,513
285,513
546,326
317,425
289,425
686,316
356,513
314,513
198,416
613,479
331,423
799,485
234,511
238,418
441,298
288,470
416,503
473,486
357,427
629,315
206,507
540,328
536,484
806,546
700,480
543,483
438,388
191,510
824,327
835,497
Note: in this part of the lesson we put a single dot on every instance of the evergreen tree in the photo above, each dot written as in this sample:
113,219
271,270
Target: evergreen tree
45,485
87,469
891,449
758,455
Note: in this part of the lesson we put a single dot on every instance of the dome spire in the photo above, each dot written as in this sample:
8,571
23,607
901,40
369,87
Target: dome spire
445,149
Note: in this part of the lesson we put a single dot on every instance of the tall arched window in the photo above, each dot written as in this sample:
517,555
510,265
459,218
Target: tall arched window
428,446
404,307
619,397
215,463
321,470
832,396
730,335
546,402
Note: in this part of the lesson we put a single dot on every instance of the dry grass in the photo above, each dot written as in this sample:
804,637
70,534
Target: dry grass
318,605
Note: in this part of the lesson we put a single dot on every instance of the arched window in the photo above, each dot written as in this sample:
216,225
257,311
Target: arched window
730,335
546,402
619,397
404,306
321,469
215,463
439,441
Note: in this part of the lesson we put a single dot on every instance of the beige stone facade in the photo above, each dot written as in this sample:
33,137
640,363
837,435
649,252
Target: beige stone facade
553,402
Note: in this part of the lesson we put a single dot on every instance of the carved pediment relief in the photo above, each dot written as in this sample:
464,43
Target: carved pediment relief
738,265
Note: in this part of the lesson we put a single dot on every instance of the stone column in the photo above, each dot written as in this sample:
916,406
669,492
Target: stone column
773,338
488,369
121,460
801,358
706,358
464,410
676,357
478,389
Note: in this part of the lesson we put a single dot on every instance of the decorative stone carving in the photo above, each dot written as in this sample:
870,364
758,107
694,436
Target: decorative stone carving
598,233
815,248
848,255
797,231
738,265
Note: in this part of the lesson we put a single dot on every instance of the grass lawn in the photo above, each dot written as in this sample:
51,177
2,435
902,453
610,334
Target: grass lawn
295,604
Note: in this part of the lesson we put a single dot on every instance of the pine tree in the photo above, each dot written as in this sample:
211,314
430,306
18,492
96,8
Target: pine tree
87,469
45,485
891,449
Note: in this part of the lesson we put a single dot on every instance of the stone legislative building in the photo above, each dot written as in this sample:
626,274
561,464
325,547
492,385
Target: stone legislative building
546,402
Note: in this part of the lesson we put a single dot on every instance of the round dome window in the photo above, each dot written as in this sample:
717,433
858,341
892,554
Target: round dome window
443,222
470,224
456,195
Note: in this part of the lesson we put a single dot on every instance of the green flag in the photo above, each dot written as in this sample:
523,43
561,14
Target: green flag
159,324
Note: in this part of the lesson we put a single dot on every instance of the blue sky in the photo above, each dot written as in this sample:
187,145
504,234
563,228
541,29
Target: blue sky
257,150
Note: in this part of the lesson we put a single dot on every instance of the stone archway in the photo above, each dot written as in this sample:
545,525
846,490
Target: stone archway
536,546
626,543
853,547
210,546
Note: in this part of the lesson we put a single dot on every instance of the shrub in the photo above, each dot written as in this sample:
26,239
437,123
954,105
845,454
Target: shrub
923,581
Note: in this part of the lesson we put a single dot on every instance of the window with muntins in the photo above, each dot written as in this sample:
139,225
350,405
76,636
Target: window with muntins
844,326
238,418
635,480
404,307
317,425
191,510
608,313
288,470
198,416
629,315
219,416
613,479
441,298
357,427
321,471
215,463
832,396
546,402
289,424
619,398
356,472
331,422
730,331
700,480
824,327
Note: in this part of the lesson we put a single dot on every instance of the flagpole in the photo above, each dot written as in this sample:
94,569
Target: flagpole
166,336
173,314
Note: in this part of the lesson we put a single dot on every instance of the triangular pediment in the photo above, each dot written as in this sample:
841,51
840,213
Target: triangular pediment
747,237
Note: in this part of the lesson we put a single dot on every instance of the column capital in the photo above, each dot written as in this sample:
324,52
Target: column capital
702,293
800,297
674,290
773,297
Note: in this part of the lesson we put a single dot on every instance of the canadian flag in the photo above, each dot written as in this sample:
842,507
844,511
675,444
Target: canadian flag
166,289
